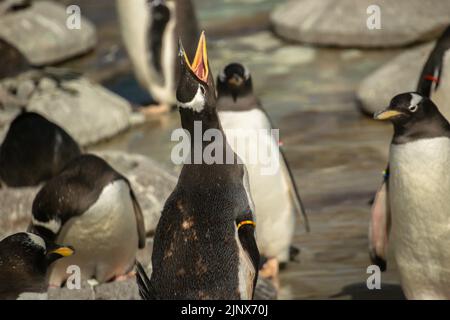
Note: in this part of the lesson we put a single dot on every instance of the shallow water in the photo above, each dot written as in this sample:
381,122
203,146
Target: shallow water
336,154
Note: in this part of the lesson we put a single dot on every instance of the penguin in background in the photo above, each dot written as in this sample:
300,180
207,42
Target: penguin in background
24,261
276,211
431,75
92,208
34,150
429,86
204,245
413,209
150,31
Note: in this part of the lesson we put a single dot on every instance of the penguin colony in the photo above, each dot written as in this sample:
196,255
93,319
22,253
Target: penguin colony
219,229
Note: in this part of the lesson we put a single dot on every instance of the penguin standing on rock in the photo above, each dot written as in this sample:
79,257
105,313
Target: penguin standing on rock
204,246
91,207
276,210
24,260
412,210
34,150
150,32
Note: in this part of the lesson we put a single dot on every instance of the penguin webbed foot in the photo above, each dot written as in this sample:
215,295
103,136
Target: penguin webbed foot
155,109
270,270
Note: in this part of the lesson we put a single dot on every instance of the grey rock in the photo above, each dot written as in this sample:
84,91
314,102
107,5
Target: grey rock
398,75
33,296
40,33
87,111
151,183
343,23
118,290
86,292
15,209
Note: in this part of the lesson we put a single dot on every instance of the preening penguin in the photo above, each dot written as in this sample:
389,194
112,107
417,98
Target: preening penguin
34,150
24,260
150,31
204,246
275,194
413,208
91,207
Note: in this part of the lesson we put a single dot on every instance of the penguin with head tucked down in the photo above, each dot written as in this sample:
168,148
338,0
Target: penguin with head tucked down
34,150
412,211
91,207
150,31
204,246
24,261
275,194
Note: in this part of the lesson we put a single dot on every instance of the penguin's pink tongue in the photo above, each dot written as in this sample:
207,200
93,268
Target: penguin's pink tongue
200,71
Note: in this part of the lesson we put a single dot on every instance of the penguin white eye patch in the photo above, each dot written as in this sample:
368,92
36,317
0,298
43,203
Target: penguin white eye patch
413,108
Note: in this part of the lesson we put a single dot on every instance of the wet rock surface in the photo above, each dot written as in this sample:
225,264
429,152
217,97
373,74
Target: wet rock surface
343,23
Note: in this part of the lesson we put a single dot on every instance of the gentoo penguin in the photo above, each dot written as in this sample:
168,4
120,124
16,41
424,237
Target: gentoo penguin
34,150
430,78
204,246
414,211
150,31
24,260
429,85
276,210
91,207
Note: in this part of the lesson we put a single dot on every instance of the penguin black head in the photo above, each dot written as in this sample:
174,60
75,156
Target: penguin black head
196,89
31,250
235,80
414,117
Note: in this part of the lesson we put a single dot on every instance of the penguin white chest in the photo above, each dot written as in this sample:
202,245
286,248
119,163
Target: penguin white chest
104,237
270,192
419,188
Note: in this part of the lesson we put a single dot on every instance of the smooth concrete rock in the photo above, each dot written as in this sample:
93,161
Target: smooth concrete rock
118,290
344,23
86,292
87,111
40,33
151,183
15,209
89,114
398,75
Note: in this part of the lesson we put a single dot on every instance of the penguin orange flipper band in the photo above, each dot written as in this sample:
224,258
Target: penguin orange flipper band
245,222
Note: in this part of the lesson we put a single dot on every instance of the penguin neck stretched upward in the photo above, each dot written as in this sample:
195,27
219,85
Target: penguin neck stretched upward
208,118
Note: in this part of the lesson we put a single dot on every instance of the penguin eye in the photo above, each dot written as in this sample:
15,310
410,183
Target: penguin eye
413,108
203,90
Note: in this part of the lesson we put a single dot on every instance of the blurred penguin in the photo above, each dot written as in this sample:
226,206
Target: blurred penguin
91,207
276,197
34,150
150,31
24,261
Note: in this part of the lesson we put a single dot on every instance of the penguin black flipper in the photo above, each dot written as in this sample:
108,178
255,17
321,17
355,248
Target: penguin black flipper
146,290
246,234
380,226
139,219
295,194
430,77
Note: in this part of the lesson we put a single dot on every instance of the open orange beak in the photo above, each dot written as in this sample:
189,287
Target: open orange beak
200,65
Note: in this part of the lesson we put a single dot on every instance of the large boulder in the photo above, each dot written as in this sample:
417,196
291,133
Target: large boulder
344,23
40,33
87,111
398,75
